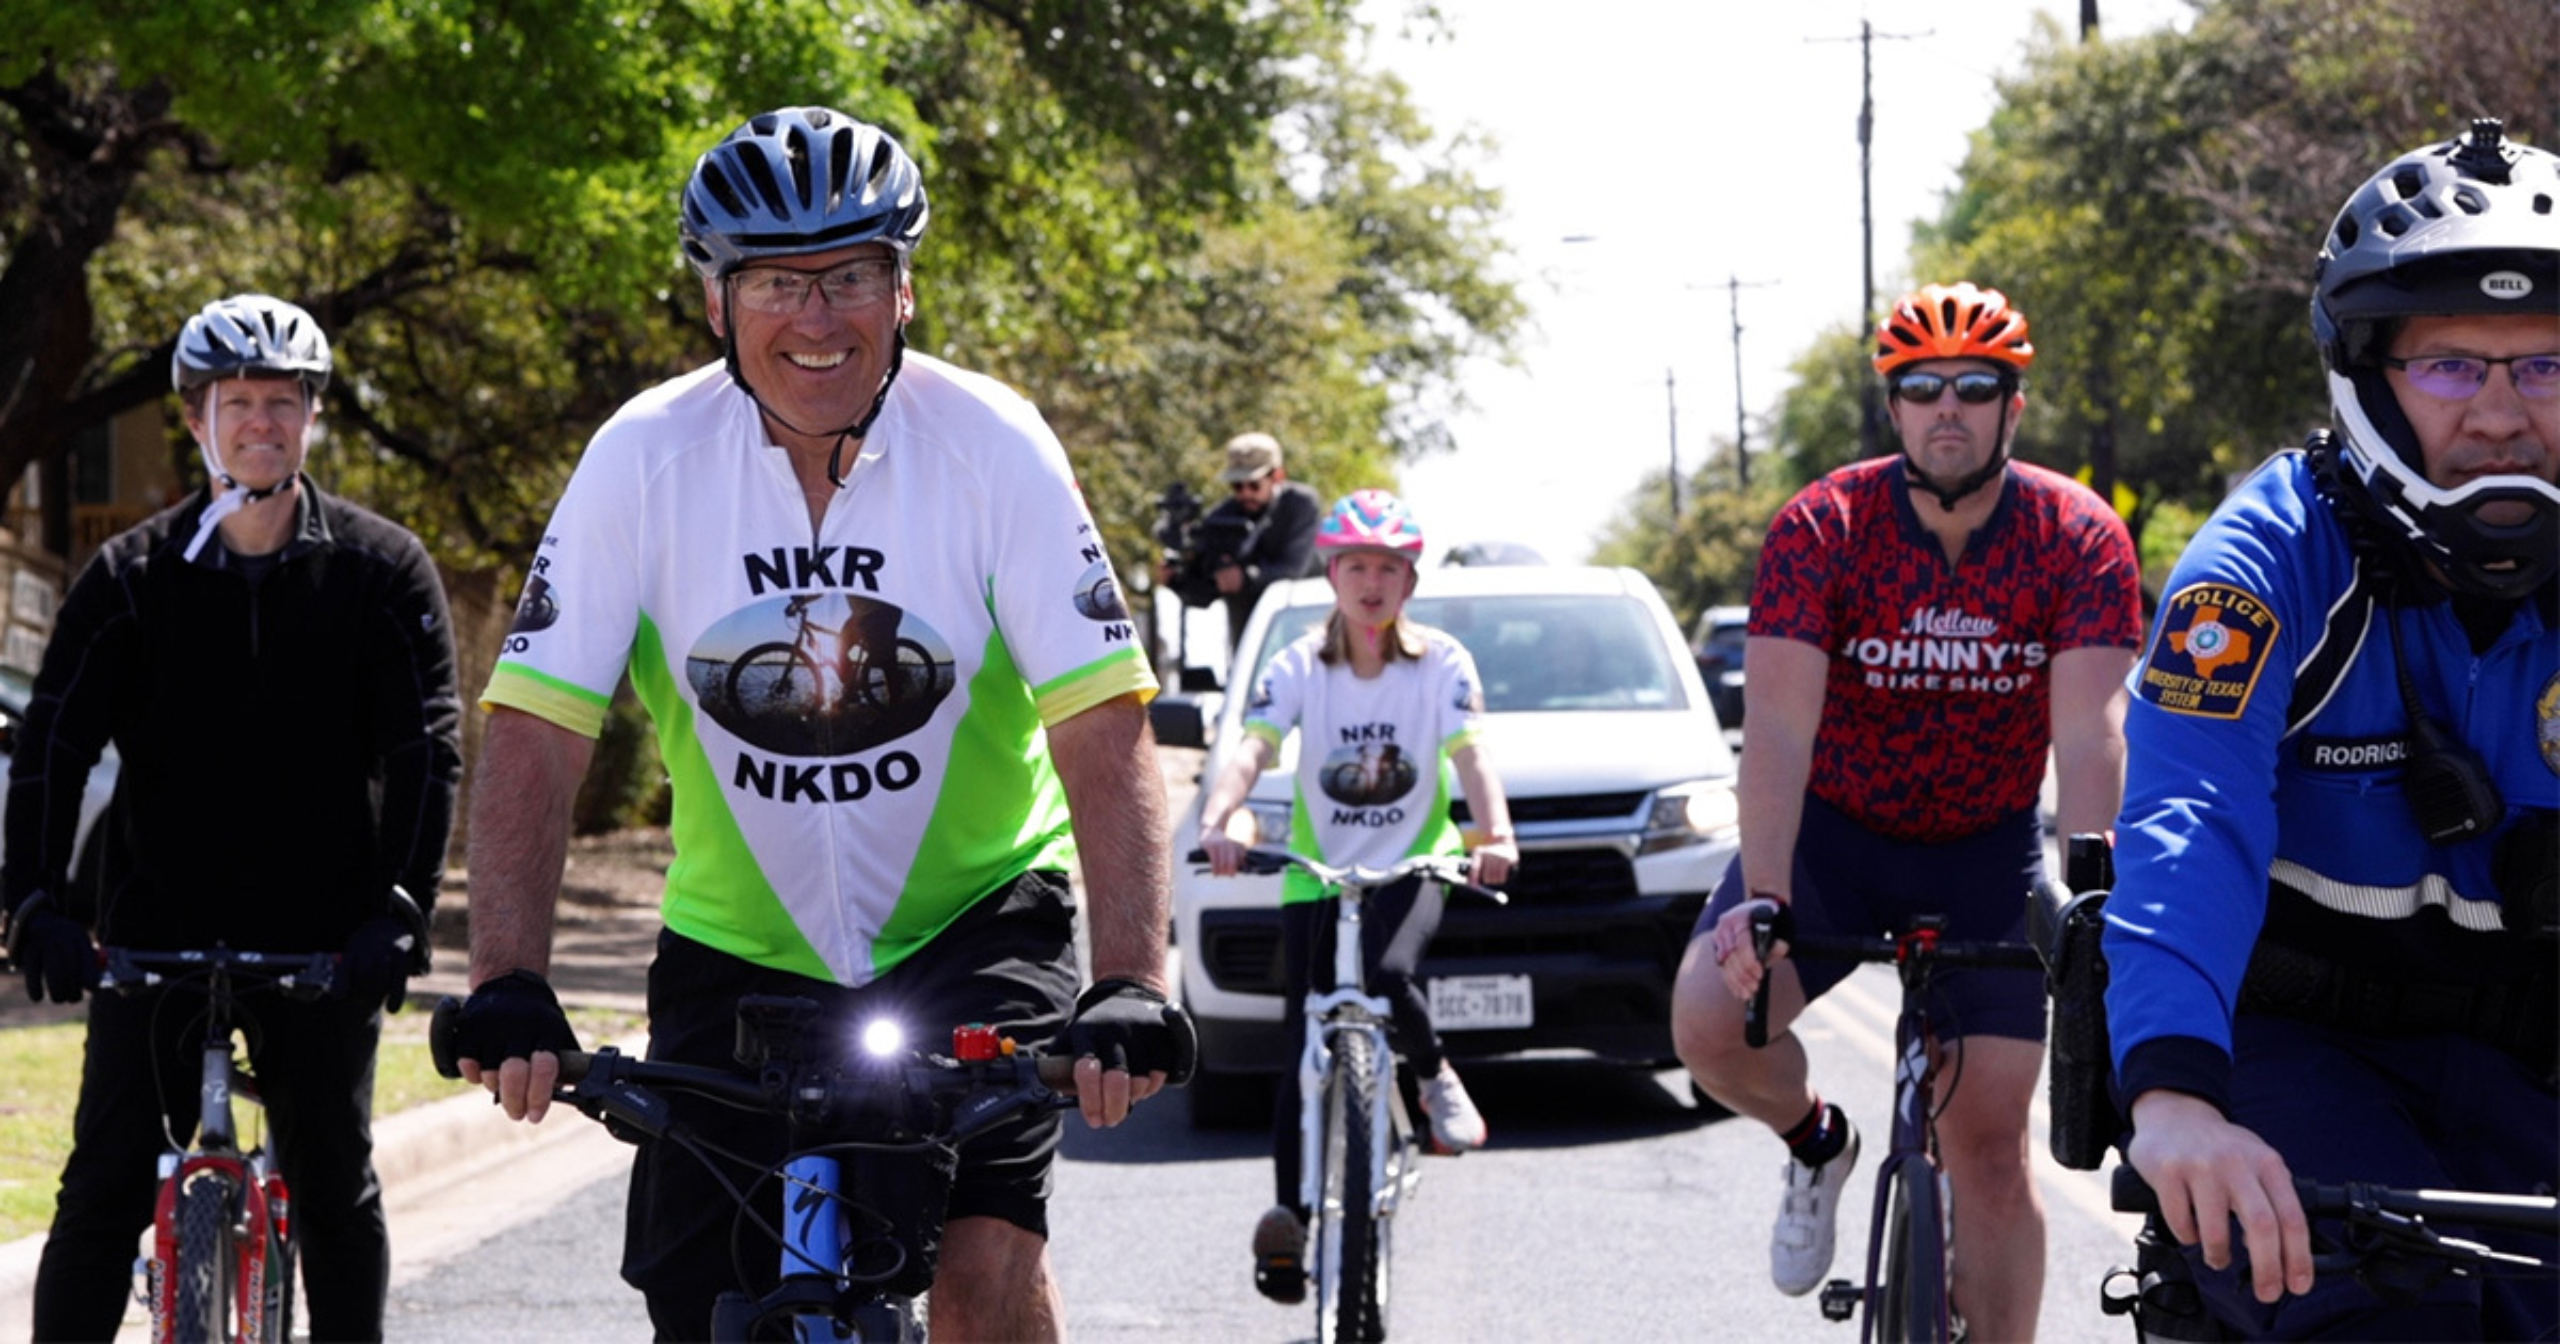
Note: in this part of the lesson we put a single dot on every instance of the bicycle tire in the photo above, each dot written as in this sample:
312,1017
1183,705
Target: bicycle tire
204,1270
1911,1287
769,677
1349,1304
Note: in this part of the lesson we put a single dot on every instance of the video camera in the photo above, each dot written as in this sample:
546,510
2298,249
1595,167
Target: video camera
1196,545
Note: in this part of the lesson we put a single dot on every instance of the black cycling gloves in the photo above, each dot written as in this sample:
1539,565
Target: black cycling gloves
53,950
1126,1025
511,1017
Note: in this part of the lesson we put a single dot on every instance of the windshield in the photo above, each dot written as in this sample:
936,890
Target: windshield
1537,653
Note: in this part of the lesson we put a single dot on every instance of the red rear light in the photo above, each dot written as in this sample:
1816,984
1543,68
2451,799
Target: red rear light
976,1043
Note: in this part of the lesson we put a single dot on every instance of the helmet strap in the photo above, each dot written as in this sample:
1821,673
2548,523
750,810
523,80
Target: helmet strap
231,498
852,433
1948,495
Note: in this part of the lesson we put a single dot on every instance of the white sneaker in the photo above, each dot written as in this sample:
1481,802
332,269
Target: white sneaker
1800,1245
1456,1125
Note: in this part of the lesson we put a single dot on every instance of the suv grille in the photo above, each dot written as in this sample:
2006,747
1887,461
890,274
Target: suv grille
1550,877
1566,807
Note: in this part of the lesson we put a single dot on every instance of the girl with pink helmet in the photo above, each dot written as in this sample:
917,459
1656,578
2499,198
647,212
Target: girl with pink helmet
1369,681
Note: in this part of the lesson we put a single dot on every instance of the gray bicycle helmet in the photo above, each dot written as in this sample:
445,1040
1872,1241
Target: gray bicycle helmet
250,333
800,180
2469,226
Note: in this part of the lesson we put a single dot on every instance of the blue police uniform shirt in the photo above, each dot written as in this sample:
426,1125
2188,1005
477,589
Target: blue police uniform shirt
2233,824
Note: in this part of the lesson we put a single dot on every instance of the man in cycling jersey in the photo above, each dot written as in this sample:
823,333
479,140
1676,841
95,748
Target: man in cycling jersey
901,856
2331,938
1923,628
275,667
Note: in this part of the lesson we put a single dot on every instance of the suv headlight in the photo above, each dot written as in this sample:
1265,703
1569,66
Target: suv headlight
1691,814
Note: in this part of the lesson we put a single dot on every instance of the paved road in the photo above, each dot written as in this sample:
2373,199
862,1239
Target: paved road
1605,1210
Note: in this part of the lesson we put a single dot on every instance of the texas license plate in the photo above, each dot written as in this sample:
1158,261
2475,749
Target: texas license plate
1481,1002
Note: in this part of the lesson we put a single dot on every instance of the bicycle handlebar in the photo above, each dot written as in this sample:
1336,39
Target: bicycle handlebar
958,1098
1921,946
297,975
1449,870
2368,1204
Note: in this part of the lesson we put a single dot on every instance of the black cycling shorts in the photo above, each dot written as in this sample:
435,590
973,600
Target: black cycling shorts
1009,961
1851,882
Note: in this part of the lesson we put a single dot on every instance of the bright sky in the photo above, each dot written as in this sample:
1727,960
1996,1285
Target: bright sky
1685,144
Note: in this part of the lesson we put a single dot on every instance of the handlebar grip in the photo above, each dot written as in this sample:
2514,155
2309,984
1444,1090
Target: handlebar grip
1196,856
2127,1192
1058,1074
442,1029
1755,1013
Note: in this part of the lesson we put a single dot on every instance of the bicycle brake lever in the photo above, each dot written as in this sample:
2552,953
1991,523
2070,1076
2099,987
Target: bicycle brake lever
628,1112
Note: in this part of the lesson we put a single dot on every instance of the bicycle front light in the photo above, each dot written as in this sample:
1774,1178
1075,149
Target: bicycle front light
883,1038
1694,813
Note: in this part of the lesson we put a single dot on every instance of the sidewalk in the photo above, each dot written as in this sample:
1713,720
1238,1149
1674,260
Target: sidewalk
606,934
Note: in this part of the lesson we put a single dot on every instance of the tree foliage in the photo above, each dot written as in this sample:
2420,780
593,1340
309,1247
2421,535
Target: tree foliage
477,201
2154,206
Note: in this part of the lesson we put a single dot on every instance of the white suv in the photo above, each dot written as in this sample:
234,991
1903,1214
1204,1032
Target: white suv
1621,788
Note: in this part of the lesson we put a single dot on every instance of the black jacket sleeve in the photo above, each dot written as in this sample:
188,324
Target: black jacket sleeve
85,677
417,709
1286,540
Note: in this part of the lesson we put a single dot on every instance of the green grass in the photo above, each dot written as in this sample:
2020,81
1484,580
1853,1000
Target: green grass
40,1083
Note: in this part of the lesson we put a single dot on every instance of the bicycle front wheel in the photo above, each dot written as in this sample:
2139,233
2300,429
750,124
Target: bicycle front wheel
775,679
204,1268
1911,1290
1349,1304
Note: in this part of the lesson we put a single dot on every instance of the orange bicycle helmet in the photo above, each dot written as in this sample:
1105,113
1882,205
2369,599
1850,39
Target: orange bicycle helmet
1952,322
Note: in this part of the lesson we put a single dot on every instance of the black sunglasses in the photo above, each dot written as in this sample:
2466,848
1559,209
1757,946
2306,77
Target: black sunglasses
1973,389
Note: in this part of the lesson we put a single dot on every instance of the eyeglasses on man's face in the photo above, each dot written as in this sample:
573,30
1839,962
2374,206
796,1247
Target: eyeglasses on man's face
2457,377
1973,389
782,292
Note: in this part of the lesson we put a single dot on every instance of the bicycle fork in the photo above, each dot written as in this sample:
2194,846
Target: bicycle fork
1315,1066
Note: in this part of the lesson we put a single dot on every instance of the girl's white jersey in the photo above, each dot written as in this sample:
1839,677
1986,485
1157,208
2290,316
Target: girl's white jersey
1373,780
852,721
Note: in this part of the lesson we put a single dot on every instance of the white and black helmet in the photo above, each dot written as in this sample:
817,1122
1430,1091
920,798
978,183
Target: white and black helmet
248,334
2468,226
800,180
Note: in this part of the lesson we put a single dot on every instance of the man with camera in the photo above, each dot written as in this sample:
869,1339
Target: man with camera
1264,532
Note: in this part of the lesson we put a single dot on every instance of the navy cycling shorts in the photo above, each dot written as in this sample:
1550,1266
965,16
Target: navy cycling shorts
1851,882
1009,961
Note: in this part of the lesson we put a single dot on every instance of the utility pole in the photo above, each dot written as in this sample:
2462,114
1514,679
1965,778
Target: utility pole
1741,436
1671,400
1870,399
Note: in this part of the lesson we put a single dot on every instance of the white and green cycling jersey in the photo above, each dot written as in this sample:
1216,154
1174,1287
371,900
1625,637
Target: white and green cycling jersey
853,722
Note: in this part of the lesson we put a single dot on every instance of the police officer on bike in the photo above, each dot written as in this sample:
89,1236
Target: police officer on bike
2331,936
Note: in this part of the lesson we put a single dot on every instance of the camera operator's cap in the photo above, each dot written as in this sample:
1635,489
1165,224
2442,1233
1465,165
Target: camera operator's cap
1250,457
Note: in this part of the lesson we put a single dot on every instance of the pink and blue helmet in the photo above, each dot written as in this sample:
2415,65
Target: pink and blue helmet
1369,520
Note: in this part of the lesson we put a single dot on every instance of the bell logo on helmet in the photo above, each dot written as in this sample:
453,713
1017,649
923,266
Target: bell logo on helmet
2506,284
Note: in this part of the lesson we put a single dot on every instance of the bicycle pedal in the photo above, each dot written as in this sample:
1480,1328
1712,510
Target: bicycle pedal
1840,1299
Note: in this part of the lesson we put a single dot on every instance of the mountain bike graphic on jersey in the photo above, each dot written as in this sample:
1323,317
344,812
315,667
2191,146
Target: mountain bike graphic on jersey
864,660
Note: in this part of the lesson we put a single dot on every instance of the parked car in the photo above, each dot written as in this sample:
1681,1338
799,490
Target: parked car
1621,789
15,691
1718,646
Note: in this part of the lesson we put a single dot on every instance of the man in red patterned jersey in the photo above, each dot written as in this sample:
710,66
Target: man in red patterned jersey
1923,628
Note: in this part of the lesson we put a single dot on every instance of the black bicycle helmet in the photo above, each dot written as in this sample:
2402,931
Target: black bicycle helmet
2469,226
250,333
800,180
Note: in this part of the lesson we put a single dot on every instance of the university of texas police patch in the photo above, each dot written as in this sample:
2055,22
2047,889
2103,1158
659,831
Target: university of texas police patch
2212,644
